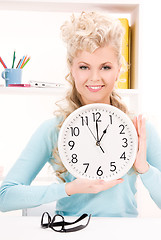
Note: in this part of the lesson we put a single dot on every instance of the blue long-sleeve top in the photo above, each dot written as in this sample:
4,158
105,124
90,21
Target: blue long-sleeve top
119,201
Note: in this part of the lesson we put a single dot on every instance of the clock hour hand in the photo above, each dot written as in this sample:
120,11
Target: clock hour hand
104,132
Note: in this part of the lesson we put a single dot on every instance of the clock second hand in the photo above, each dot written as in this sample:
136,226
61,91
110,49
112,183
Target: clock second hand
98,144
89,129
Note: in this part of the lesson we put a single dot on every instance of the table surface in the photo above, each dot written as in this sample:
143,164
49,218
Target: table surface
28,228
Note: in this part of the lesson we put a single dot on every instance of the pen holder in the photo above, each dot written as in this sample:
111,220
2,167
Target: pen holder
12,76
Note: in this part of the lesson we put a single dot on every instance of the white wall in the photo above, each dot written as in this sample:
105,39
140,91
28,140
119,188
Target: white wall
35,34
150,84
150,64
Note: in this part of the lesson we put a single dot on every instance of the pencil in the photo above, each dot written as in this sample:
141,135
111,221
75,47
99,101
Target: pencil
4,65
26,62
23,62
19,63
14,57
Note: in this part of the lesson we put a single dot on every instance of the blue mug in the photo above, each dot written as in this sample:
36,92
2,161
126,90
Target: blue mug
12,76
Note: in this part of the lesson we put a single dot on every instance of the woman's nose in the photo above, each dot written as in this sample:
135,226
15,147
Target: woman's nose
95,76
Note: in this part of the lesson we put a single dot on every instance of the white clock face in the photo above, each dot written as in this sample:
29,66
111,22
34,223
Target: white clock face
98,141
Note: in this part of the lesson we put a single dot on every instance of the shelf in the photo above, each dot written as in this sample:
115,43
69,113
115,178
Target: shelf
31,90
51,91
69,6
126,92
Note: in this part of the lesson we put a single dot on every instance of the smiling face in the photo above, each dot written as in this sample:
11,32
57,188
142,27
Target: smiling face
95,74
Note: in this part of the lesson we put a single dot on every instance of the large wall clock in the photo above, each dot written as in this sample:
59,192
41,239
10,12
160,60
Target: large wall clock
98,141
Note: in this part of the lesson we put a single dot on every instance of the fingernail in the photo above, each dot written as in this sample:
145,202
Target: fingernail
121,180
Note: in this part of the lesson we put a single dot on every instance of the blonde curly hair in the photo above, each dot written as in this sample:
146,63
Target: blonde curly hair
90,31
87,32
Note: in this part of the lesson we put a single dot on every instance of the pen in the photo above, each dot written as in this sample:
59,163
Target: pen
13,59
4,65
25,62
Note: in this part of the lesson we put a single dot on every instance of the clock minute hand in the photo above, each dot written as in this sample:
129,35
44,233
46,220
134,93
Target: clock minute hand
98,140
104,132
97,131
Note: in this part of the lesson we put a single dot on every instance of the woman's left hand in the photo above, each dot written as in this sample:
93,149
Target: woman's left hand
141,165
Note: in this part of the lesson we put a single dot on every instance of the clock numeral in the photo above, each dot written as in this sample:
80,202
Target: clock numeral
112,164
71,144
110,118
123,156
87,165
75,131
96,117
99,171
84,120
74,158
125,142
122,130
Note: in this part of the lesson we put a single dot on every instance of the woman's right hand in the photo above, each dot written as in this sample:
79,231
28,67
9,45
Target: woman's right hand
81,185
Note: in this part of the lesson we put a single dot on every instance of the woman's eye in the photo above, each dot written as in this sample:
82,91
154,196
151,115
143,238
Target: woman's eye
106,67
83,67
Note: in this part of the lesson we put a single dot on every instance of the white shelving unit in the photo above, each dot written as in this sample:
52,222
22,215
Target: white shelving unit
51,91
31,91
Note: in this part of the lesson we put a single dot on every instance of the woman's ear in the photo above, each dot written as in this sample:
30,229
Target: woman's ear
118,73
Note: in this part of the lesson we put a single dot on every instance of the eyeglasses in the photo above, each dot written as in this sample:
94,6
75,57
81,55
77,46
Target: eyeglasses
58,222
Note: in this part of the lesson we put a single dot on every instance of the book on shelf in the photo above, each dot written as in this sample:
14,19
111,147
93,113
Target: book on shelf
123,81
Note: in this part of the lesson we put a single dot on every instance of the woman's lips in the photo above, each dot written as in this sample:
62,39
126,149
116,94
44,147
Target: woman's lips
94,88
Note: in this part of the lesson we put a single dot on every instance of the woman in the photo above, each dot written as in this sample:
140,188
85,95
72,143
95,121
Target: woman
94,61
